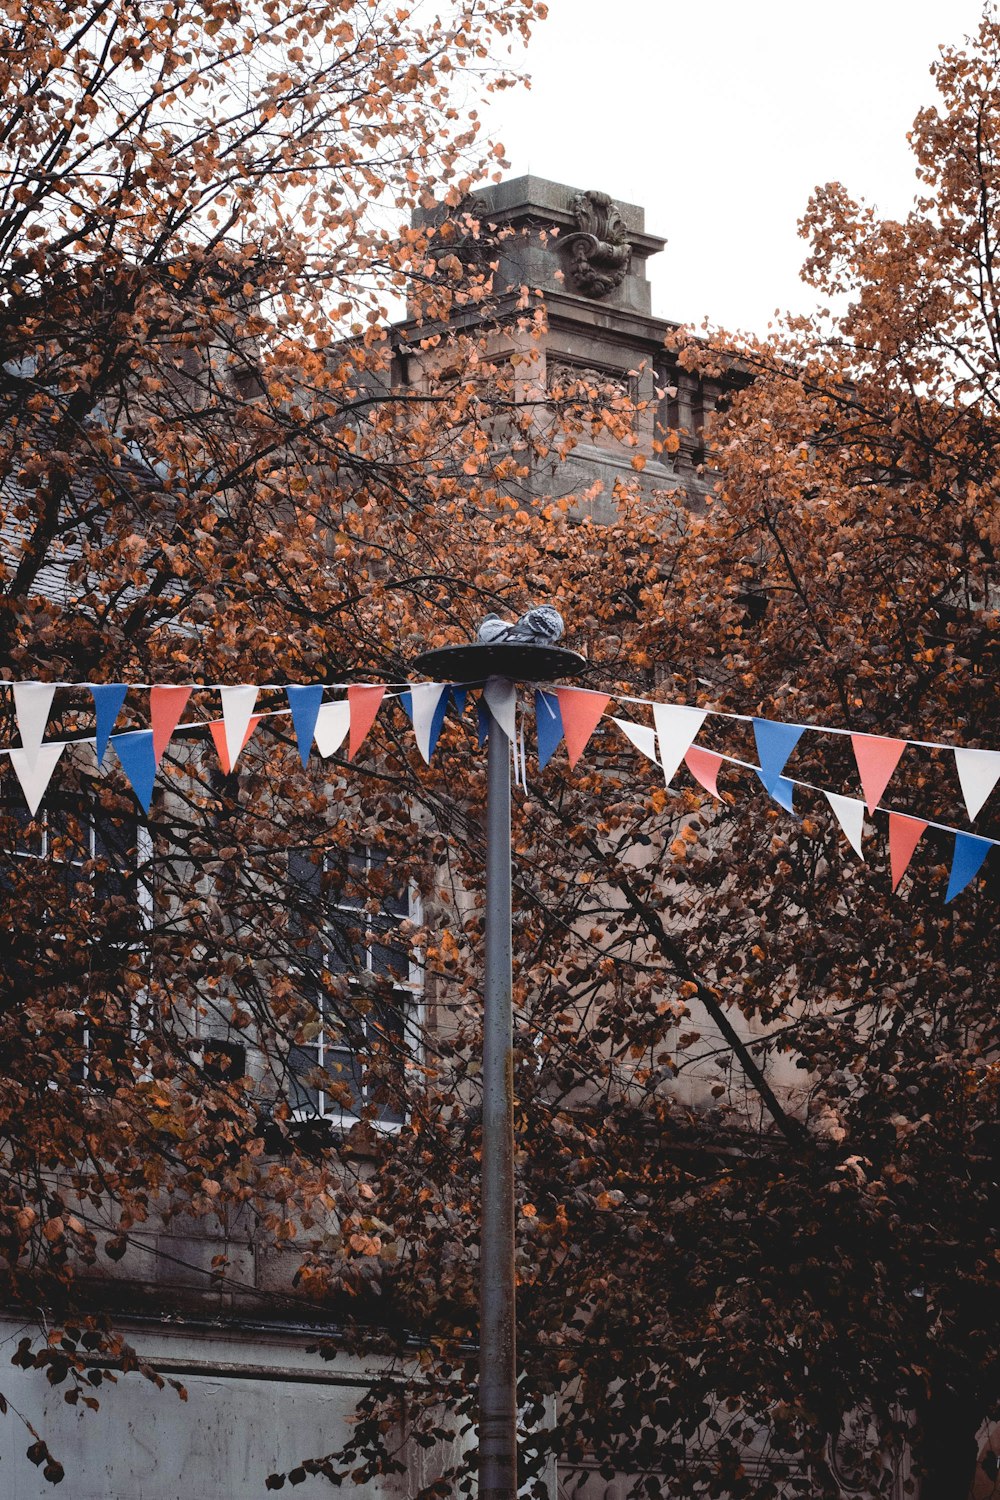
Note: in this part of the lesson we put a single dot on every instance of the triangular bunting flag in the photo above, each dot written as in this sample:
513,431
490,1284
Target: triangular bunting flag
978,772
501,700
877,757
108,700
364,703
304,701
775,743
332,724
458,697
970,851
676,728
548,722
426,698
850,814
166,704
437,722
704,767
32,701
237,711
643,737
137,754
783,792
218,731
34,772
581,712
904,836
482,721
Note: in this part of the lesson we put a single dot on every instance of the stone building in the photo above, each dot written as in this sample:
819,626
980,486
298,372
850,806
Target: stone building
257,1400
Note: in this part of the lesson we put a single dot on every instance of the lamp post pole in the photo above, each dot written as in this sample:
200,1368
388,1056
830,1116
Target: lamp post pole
497,1380
515,661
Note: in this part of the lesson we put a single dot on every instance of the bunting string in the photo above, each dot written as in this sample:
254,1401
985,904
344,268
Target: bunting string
396,690
401,690
812,786
567,715
723,713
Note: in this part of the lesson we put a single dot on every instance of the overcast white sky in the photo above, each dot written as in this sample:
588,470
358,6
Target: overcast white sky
720,118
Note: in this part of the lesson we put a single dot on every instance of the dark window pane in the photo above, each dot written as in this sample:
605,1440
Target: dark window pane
69,830
344,1067
397,903
223,1060
115,849
390,961
304,873
27,832
302,1063
390,1012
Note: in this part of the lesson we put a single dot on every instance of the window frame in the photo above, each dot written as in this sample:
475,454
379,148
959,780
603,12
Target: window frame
144,903
40,828
328,1111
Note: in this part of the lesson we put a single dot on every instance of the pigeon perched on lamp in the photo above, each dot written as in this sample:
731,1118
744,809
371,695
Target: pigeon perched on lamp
541,626
524,650
493,628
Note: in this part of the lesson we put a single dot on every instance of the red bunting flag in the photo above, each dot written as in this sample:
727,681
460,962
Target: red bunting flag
581,713
877,758
704,767
166,704
218,728
904,836
364,703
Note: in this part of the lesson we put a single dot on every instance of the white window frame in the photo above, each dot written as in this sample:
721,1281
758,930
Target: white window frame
411,1015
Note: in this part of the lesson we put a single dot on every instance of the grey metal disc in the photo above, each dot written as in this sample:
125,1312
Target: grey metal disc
519,661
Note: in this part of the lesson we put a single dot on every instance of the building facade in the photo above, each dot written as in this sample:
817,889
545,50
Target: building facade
257,1398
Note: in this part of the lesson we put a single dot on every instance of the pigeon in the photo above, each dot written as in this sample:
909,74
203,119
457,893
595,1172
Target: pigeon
540,626
493,629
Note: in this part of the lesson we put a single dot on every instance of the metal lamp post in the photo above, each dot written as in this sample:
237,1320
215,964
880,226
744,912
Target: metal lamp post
515,661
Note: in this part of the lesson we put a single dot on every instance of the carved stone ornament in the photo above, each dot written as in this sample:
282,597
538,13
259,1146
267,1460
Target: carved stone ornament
853,1449
562,376
463,231
599,251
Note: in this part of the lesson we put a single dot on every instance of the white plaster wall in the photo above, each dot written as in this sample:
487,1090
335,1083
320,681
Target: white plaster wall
238,1424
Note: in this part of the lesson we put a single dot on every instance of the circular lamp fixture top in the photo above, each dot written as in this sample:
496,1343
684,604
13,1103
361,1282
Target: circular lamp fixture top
518,661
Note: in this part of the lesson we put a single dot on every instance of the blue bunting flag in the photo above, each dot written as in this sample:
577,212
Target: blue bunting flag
108,699
138,761
304,702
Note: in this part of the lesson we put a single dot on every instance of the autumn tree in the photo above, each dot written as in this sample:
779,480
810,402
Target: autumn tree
206,466
845,573
222,465
798,1286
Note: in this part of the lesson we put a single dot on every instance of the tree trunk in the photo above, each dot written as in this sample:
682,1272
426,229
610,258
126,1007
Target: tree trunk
948,1450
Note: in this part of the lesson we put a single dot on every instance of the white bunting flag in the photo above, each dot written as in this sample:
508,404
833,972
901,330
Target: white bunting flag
643,736
979,772
237,711
850,814
332,723
676,728
501,698
424,699
32,701
34,772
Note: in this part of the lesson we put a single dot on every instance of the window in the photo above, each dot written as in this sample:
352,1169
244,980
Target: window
365,1023
74,833
74,873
